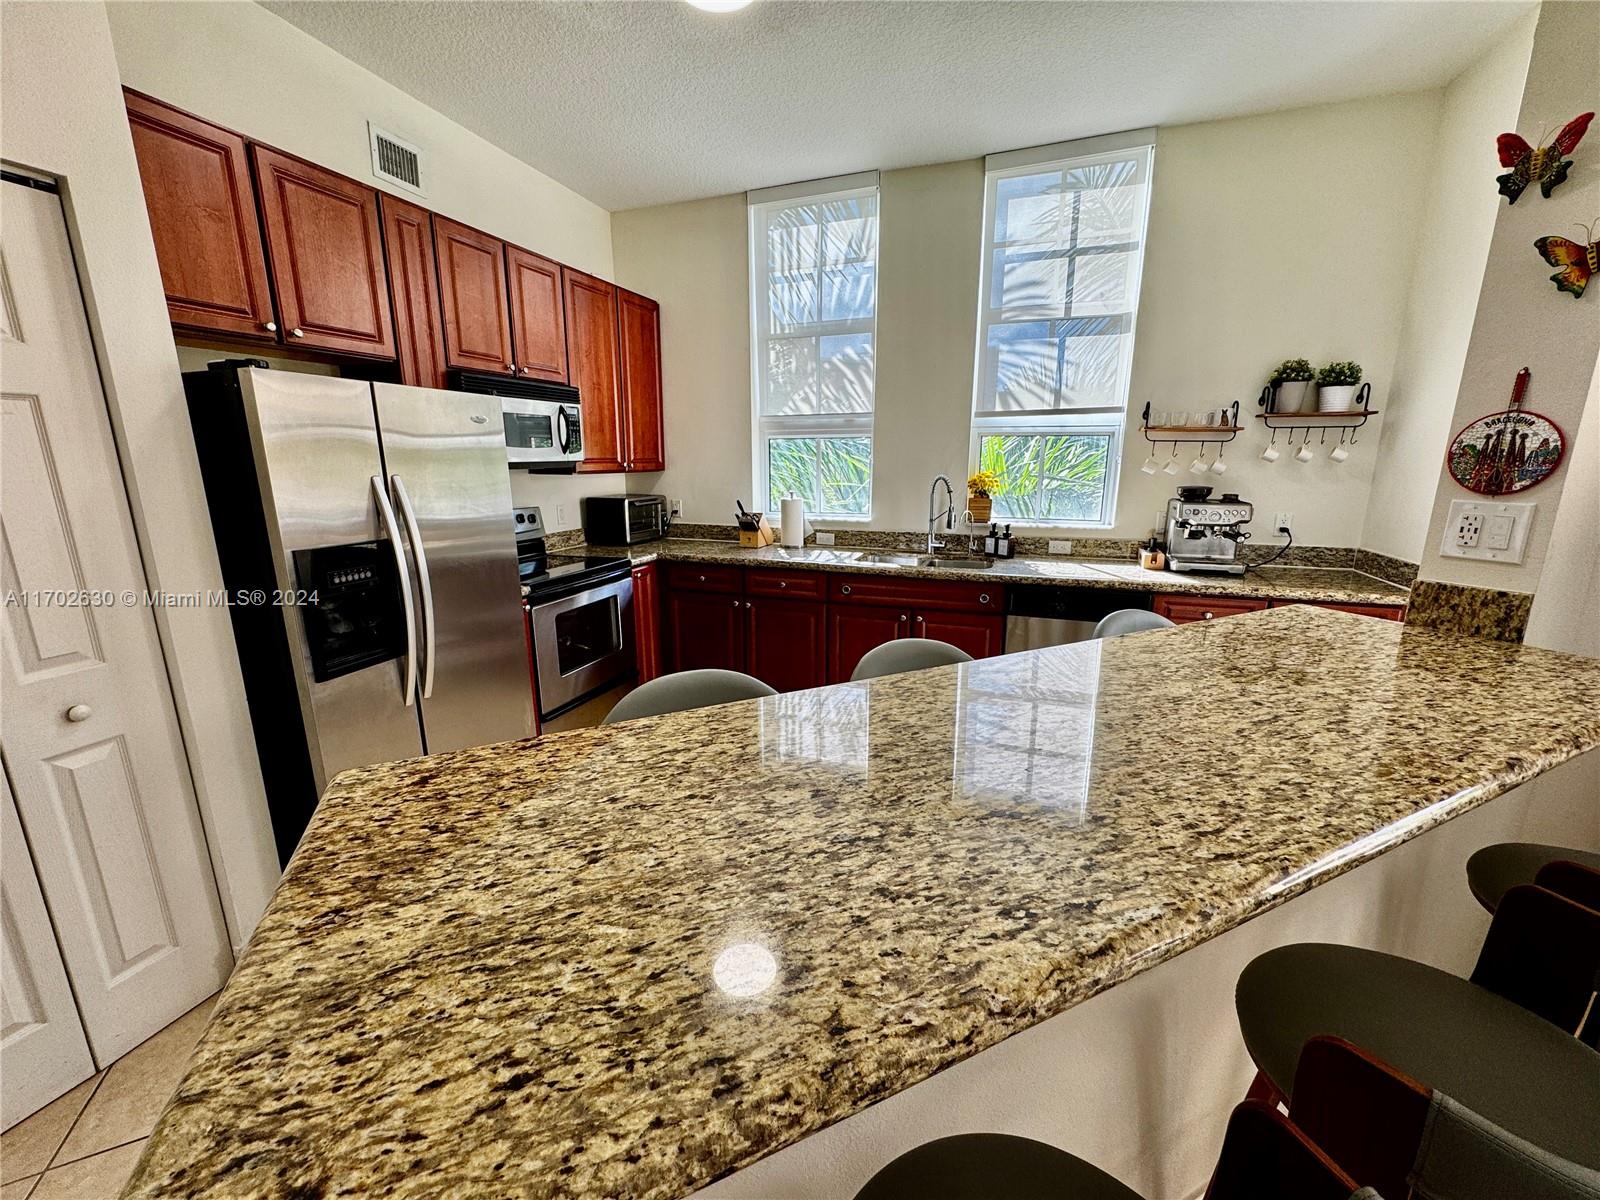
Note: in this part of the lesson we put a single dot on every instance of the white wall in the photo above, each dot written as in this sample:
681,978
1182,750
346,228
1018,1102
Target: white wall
1272,236
1566,608
63,115
239,65
1521,319
1452,247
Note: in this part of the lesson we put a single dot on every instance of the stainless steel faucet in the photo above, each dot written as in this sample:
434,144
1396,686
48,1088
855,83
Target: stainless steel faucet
949,512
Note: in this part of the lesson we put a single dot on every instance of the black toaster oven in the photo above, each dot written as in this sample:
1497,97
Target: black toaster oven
624,520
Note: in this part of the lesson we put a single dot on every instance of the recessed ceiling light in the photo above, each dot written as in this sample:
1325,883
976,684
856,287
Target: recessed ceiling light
719,6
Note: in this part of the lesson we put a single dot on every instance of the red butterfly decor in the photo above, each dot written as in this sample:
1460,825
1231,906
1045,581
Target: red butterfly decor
1577,262
1547,166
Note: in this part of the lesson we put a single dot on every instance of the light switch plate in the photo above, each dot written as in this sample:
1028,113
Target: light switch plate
1060,546
1487,529
824,537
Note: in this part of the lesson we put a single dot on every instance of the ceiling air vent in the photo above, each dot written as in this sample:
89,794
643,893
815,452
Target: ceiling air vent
395,160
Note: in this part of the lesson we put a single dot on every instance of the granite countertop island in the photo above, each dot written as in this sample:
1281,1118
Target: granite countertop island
626,961
1331,585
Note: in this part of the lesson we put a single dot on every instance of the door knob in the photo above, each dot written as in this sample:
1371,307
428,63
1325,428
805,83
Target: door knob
271,327
79,712
297,333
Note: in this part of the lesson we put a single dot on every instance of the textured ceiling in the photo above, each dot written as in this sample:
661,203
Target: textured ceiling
633,104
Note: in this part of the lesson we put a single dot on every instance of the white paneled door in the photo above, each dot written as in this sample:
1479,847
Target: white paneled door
42,1045
87,724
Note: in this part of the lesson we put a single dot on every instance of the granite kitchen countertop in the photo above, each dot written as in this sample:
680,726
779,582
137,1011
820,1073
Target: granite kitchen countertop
628,960
1334,585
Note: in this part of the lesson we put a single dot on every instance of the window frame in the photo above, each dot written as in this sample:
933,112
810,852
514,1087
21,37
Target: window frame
1097,420
764,428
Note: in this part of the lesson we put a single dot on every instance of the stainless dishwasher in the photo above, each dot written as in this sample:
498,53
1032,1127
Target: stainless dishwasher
1039,615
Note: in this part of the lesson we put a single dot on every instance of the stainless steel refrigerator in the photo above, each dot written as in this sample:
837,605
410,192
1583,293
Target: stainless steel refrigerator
366,542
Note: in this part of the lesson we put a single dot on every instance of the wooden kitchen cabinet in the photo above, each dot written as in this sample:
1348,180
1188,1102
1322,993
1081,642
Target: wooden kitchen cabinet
196,180
855,629
979,634
1183,609
786,642
704,629
325,249
646,622
1384,612
639,345
593,367
472,294
538,316
414,287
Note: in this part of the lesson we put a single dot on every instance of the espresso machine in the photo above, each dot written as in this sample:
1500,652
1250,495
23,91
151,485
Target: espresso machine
1205,534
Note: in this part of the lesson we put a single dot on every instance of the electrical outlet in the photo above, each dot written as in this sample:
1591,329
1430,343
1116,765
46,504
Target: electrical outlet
1487,529
1284,523
1060,546
824,537
561,516
677,509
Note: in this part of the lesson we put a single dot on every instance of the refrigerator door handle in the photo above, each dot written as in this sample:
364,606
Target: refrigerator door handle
414,532
392,528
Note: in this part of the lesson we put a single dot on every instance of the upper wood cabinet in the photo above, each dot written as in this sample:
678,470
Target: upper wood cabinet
593,367
326,248
196,179
639,334
472,291
538,316
414,287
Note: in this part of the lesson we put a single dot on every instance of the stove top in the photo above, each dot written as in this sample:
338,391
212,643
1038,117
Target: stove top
542,572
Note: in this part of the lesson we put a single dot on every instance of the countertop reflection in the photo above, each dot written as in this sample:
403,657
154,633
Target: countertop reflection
627,960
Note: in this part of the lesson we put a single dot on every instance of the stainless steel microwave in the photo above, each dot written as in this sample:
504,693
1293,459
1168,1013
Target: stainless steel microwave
543,421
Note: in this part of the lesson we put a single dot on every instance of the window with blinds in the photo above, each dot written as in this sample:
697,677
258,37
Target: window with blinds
814,306
1063,251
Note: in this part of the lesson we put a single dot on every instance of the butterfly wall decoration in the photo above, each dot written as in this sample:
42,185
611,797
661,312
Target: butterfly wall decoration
1575,262
1547,166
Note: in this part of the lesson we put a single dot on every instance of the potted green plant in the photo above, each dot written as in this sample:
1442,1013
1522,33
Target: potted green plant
981,486
1290,382
1336,386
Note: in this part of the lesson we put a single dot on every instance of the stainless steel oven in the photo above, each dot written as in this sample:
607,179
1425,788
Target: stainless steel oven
582,642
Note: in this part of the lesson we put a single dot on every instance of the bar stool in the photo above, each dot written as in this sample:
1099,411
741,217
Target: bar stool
1495,870
907,654
1502,1042
685,690
1129,620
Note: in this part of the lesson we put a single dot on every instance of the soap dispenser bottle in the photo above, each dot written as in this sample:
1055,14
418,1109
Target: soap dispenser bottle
991,540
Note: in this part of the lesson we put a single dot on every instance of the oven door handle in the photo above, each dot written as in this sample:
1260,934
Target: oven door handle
414,532
403,573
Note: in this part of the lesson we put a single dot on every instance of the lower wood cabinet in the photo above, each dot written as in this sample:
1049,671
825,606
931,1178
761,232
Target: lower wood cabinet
1183,609
646,622
703,629
853,629
1384,612
786,642
979,634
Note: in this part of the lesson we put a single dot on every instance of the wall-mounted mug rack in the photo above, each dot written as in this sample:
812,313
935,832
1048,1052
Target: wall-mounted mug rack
1346,421
1176,427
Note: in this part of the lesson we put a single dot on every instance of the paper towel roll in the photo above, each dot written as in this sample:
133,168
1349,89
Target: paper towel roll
793,522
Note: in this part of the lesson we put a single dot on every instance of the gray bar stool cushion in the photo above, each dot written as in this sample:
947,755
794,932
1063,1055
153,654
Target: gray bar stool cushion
1463,1157
685,690
1129,620
1500,1060
991,1166
907,654
1495,870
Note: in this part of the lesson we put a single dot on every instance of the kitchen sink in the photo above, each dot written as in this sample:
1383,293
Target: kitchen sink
884,559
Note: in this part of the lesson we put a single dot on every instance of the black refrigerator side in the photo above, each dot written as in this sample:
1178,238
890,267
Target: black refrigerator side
244,550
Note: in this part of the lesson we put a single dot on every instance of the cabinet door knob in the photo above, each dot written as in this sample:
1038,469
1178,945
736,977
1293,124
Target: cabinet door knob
747,604
983,598
1208,616
783,583
79,712
919,620
904,618
270,326
702,579
512,367
736,604
297,333
845,590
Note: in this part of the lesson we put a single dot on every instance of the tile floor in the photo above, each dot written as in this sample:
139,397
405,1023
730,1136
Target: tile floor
83,1145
